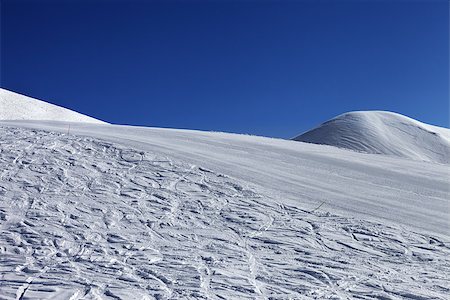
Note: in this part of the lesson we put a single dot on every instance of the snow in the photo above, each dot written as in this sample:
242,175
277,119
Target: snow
15,106
384,133
123,212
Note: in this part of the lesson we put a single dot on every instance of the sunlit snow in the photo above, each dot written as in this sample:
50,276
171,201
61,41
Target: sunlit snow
122,212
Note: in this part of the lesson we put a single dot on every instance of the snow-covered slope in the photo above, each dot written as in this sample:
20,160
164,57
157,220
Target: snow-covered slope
123,212
383,133
143,218
15,106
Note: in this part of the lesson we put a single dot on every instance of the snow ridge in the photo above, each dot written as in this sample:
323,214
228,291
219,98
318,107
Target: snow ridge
383,132
15,106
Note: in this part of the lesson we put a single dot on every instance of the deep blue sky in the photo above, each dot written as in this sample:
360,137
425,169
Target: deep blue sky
260,67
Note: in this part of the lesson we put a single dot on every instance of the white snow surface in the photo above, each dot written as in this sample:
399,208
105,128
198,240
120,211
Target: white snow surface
14,106
123,212
383,133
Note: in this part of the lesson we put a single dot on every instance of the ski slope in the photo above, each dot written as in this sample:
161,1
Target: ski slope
123,212
383,133
116,211
14,106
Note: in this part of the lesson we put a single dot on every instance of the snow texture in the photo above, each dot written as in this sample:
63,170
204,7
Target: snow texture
83,218
384,133
14,106
123,212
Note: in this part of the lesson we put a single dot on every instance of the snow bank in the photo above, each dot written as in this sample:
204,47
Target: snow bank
14,106
383,132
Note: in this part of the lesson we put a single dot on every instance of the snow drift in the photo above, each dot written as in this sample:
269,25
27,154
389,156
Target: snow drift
15,106
383,132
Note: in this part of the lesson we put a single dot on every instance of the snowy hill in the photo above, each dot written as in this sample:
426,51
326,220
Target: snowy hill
383,133
124,212
15,106
121,212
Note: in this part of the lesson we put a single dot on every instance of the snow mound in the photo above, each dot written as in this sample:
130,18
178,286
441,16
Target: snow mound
15,106
383,132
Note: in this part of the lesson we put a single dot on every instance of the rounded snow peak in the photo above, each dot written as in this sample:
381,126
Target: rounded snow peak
383,132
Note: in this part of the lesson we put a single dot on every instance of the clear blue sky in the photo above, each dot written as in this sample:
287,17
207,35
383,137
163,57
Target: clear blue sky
259,67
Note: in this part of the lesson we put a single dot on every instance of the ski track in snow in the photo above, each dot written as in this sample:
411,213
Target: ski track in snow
82,218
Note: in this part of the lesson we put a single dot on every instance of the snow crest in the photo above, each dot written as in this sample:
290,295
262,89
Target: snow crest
82,218
383,132
15,106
